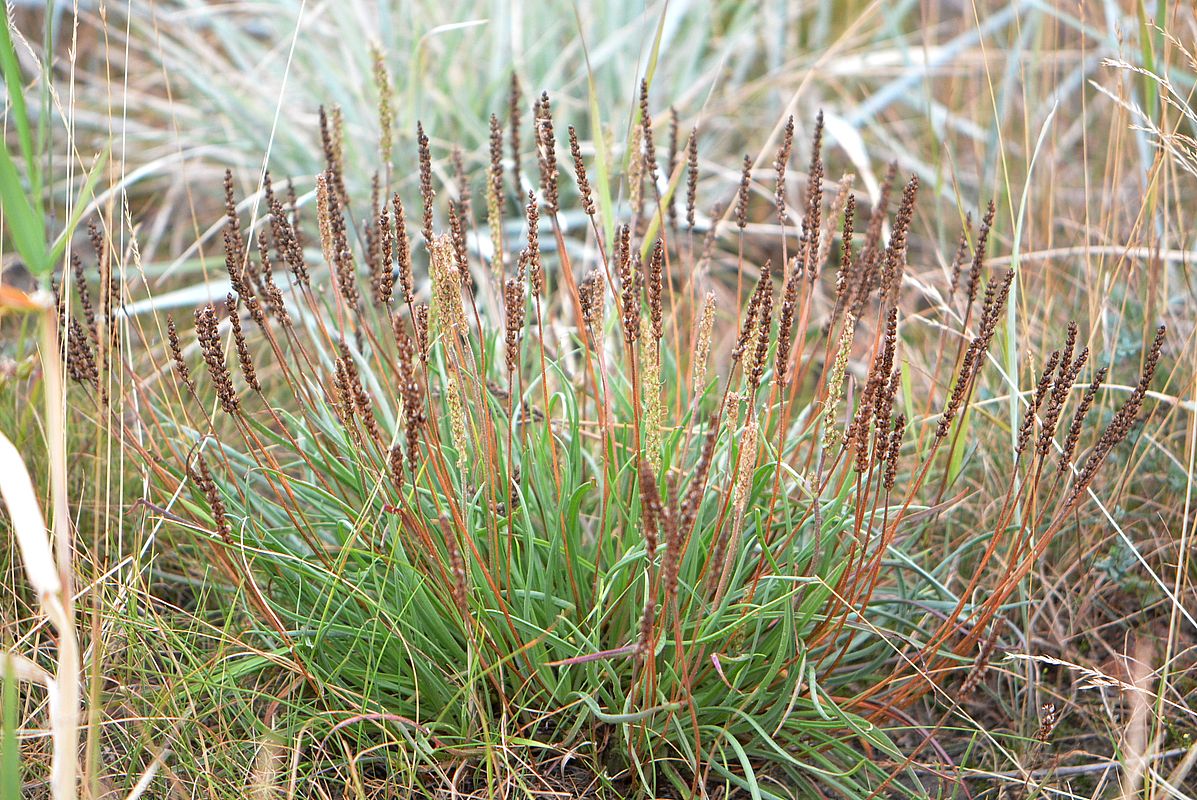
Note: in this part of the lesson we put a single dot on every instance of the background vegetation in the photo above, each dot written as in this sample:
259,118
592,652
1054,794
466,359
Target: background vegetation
1074,118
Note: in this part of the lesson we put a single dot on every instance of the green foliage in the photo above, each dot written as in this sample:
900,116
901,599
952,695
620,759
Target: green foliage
10,748
24,212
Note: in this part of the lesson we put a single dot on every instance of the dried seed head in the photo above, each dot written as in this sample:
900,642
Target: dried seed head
342,398
785,332
495,174
996,295
410,392
755,367
243,355
535,270
206,330
826,236
1047,722
959,386
395,466
673,163
357,393
494,199
402,251
592,296
1122,423
742,194
293,210
653,510
1028,420
112,302
547,151
1078,420
974,272
271,294
202,479
872,245
330,141
383,282
513,299
691,178
780,163
1065,376
584,191
646,134
871,250
420,320
994,306
337,247
980,663
814,202
749,328
1151,362
1066,355
235,256
629,293
426,191
80,360
461,253
887,378
656,288
513,117
286,240
84,294
858,432
893,451
176,354
846,262
99,244
894,264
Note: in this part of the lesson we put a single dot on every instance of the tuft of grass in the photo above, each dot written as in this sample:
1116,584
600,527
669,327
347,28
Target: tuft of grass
493,522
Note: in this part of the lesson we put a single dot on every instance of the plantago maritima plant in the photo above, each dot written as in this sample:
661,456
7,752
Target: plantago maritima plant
503,515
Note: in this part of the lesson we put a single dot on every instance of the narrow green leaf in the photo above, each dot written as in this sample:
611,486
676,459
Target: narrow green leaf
25,226
16,96
10,764
81,202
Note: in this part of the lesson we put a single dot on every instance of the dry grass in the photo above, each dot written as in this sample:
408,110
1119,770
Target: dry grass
1075,119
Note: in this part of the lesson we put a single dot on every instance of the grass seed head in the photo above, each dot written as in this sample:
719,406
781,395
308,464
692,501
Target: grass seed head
244,357
206,330
514,103
702,347
427,193
742,194
547,152
692,178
